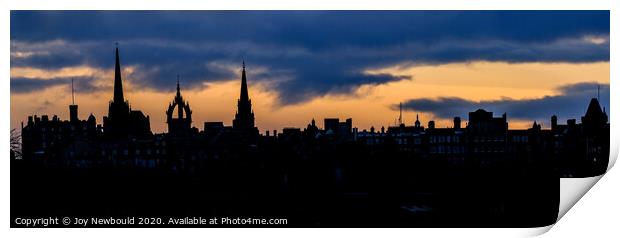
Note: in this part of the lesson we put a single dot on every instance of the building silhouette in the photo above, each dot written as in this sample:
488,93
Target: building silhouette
244,117
333,126
121,121
578,149
480,174
583,149
182,124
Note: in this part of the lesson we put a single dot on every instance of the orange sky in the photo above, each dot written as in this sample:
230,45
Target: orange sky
369,106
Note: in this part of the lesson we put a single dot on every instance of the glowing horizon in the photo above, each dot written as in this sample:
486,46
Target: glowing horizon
314,64
368,105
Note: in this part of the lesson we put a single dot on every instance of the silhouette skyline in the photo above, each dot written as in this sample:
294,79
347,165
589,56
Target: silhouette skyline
334,176
296,78
413,109
321,133
125,125
244,115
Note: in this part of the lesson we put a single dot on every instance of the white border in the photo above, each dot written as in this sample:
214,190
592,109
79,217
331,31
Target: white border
603,192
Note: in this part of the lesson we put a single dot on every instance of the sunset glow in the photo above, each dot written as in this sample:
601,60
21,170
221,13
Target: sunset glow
314,64
369,105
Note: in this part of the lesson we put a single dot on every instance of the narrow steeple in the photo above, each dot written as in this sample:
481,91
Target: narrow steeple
179,100
178,87
244,118
118,82
244,86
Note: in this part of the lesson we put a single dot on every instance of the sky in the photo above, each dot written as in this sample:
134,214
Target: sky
314,64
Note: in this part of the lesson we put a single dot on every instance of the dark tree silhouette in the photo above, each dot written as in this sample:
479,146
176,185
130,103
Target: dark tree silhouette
16,142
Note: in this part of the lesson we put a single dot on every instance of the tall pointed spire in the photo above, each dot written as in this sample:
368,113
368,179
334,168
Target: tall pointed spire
244,86
122,122
244,119
118,82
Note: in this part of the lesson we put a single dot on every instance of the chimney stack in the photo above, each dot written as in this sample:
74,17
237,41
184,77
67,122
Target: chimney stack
457,123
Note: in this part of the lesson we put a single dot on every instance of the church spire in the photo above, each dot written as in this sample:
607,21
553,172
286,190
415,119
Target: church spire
244,119
244,86
118,82
182,124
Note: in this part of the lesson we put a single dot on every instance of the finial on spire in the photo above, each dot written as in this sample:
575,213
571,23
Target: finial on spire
116,43
178,87
243,64
598,92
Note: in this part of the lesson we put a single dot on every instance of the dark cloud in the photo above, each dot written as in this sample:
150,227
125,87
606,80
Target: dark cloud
26,85
305,53
80,84
311,29
571,102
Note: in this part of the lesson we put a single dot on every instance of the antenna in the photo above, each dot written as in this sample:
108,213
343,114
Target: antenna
598,92
400,116
72,93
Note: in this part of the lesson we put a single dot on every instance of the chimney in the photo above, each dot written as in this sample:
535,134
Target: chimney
457,123
554,122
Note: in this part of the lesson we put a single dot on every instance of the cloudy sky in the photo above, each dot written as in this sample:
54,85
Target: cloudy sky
314,64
